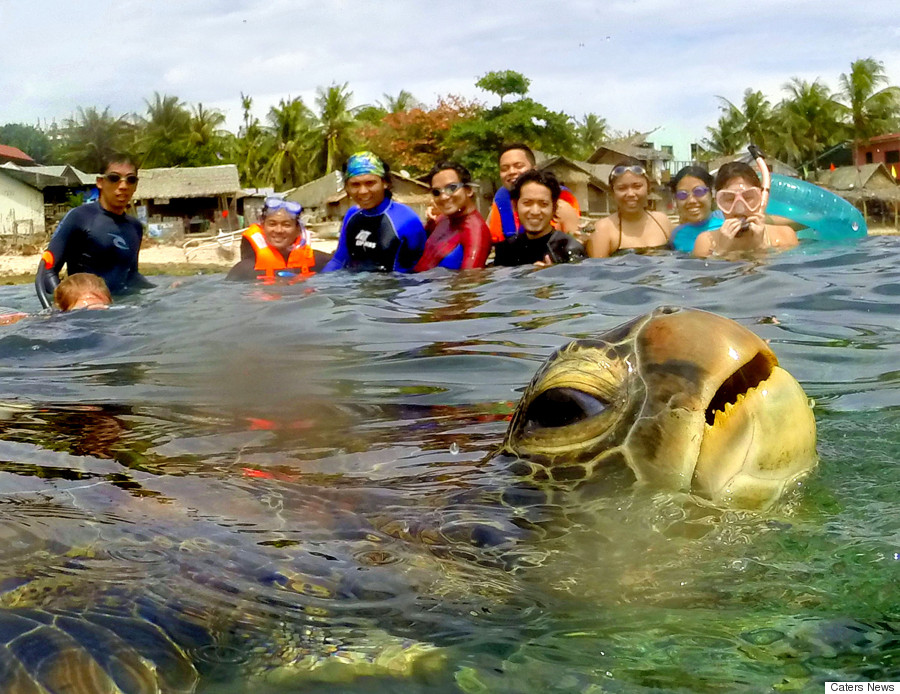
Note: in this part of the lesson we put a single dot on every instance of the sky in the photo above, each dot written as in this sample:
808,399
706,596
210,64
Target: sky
640,64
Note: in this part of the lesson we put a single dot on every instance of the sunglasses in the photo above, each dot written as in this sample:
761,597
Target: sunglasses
636,169
292,208
448,189
727,199
130,179
697,192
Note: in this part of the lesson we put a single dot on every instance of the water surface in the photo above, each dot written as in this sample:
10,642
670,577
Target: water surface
307,465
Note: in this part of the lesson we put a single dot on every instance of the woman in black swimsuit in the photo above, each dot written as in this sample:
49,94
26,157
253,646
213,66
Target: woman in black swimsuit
632,226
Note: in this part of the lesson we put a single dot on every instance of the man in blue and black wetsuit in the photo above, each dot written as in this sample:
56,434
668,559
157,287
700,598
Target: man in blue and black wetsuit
98,237
378,234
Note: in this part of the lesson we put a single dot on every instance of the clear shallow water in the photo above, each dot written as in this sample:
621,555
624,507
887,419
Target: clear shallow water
304,468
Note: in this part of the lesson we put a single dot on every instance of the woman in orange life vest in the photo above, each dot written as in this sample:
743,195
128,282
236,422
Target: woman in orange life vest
279,247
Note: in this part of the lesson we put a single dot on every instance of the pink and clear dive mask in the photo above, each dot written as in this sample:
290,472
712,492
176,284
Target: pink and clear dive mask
750,197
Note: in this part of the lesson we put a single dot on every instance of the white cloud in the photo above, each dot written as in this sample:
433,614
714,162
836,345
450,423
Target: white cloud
638,64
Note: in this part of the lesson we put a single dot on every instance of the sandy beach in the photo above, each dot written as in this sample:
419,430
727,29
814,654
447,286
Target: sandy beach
155,258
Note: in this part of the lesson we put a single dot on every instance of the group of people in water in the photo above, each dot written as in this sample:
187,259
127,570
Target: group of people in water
534,220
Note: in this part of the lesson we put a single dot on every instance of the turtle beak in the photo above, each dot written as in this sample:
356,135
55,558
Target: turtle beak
739,427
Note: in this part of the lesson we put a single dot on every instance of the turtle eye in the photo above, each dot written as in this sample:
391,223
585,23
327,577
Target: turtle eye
559,407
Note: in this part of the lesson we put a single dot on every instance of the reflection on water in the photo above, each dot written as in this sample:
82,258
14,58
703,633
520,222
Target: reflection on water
299,476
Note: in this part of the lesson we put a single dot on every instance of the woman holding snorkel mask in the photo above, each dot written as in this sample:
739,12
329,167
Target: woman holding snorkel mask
632,225
741,197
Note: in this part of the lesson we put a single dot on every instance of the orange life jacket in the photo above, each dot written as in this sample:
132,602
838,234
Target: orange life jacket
269,260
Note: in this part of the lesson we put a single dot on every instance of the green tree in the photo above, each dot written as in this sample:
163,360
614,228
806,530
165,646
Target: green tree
335,129
31,140
207,140
404,101
873,111
164,135
591,132
809,121
291,125
251,147
504,83
727,136
91,136
477,140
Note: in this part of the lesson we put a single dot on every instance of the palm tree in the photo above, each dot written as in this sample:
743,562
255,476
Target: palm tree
335,128
809,121
404,101
165,132
591,132
871,112
251,146
91,136
291,127
727,137
206,137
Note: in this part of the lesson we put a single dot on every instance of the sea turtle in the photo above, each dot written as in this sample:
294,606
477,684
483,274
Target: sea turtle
684,399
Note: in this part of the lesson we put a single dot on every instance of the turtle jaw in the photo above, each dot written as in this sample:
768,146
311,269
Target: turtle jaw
759,438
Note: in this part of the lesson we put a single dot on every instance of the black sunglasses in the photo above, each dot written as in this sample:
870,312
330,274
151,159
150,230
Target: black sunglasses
449,189
130,179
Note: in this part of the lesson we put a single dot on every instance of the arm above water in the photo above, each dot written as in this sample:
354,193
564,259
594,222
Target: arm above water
600,242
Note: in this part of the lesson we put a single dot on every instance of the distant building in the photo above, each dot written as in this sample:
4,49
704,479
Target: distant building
200,198
325,199
884,149
21,209
634,147
868,186
8,153
589,183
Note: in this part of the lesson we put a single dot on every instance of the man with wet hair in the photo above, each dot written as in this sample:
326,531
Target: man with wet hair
99,237
536,195
514,160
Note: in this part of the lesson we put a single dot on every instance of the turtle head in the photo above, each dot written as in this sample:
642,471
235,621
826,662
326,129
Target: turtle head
685,399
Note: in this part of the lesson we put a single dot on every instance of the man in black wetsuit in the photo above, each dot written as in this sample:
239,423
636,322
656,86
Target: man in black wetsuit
535,195
99,237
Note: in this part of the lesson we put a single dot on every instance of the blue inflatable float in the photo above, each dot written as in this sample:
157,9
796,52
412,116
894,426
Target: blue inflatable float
826,216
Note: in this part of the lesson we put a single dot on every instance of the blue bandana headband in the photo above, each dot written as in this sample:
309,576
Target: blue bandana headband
363,163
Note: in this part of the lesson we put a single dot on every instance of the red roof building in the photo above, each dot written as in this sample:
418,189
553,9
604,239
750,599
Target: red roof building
884,149
15,155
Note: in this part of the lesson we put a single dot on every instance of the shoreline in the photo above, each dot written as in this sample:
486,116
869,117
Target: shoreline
154,259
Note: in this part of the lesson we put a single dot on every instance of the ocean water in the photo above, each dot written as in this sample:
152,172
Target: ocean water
294,475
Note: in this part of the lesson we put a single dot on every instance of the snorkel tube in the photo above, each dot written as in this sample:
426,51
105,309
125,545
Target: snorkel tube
41,280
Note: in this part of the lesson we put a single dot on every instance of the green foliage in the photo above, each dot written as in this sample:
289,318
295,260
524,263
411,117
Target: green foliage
873,111
478,140
208,143
288,162
809,121
810,118
504,83
91,136
335,129
31,140
590,133
164,135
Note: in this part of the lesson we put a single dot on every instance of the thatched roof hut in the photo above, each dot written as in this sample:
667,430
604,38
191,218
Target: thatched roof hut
201,197
193,182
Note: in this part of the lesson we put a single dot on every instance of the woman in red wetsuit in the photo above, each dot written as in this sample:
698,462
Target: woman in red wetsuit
460,240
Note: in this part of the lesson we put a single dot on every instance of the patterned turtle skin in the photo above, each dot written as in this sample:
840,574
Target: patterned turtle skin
686,400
